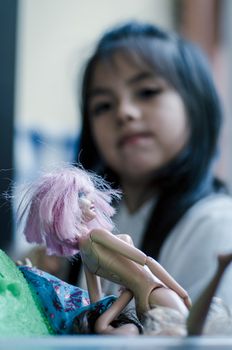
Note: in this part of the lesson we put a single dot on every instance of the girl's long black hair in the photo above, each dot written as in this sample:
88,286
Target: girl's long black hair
188,177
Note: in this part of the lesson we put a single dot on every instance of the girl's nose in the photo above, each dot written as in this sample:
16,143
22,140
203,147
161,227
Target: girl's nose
127,111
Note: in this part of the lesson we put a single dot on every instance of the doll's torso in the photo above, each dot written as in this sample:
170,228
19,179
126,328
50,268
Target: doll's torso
113,266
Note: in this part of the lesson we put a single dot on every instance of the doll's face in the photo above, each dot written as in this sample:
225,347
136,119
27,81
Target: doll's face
87,206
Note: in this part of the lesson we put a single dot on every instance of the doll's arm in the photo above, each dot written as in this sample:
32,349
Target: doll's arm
117,245
168,280
93,285
102,325
110,241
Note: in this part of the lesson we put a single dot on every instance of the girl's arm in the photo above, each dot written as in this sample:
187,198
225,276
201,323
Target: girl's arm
102,325
93,285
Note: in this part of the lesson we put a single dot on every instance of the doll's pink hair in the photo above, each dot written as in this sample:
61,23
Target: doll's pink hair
51,212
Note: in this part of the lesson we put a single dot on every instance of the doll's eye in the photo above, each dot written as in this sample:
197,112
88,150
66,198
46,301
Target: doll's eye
81,194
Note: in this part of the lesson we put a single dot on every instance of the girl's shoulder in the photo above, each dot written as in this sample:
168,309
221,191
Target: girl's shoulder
204,231
209,217
213,206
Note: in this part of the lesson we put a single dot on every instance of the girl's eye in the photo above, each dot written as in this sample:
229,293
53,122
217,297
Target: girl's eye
146,93
101,108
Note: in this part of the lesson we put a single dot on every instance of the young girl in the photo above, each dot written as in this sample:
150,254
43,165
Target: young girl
69,211
151,122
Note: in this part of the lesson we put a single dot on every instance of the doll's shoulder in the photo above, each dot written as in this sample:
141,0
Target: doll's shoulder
99,234
94,235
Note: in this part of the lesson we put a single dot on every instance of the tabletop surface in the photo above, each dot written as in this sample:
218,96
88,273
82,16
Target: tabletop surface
115,343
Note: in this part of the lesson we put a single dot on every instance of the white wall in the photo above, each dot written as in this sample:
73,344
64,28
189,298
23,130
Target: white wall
55,36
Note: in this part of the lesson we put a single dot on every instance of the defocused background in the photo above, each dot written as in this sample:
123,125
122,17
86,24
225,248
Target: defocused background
44,44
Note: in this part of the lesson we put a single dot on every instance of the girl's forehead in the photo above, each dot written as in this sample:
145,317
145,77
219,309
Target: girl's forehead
121,59
119,67
111,76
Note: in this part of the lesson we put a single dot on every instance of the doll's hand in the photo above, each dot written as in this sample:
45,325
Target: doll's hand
125,291
122,289
25,262
52,264
187,301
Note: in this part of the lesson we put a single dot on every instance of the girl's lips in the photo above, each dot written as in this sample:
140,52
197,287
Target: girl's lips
133,139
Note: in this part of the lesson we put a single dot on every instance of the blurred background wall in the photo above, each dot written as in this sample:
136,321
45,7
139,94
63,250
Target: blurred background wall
54,39
50,41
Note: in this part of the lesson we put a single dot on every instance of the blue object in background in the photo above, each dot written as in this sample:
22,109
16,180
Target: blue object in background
37,151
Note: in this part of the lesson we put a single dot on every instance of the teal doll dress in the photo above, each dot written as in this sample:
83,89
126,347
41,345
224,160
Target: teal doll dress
60,301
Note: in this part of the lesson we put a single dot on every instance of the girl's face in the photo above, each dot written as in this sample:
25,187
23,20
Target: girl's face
138,120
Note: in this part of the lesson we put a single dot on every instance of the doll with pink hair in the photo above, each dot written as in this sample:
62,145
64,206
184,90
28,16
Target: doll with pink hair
69,211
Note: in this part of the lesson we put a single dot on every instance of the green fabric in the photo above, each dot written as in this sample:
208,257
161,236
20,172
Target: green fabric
20,313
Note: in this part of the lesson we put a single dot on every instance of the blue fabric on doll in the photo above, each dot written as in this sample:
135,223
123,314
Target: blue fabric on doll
60,301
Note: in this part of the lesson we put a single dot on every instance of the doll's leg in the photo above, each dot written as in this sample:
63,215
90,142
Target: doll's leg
199,310
125,329
103,323
164,296
168,280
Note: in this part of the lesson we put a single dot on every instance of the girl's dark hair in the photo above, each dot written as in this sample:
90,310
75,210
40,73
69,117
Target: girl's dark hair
188,177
